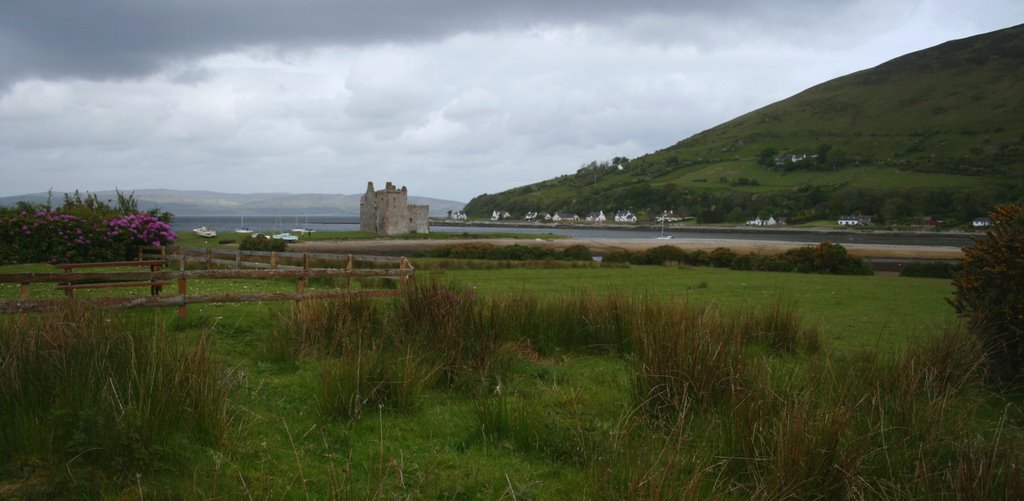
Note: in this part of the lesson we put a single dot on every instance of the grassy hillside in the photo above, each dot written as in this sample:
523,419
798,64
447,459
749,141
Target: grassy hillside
935,132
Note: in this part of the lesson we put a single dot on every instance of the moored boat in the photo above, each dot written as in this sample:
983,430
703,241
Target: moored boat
204,232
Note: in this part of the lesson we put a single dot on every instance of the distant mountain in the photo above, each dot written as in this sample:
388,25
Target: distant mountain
208,203
934,132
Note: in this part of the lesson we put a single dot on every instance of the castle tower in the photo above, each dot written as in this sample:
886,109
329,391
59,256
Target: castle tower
388,212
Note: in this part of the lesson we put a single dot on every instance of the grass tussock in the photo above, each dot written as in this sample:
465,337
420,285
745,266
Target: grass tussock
118,390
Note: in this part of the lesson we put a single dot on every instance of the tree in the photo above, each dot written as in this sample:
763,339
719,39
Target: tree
767,157
989,291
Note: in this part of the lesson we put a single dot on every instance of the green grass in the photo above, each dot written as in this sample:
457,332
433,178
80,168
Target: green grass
558,417
852,312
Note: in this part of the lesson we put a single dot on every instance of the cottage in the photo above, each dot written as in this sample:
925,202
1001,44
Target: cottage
459,215
499,215
981,222
565,216
668,217
854,220
547,216
596,217
625,216
757,221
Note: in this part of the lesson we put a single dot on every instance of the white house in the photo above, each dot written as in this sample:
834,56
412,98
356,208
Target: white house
530,216
757,221
853,220
596,217
547,216
498,215
565,216
625,216
668,217
459,215
981,222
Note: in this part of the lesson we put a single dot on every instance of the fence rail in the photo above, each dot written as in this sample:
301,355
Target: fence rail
159,276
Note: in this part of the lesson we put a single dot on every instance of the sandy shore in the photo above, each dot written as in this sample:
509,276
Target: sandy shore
602,246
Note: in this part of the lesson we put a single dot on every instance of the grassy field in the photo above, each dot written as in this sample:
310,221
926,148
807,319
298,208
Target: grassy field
522,384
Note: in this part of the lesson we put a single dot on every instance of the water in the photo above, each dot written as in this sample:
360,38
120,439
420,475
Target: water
276,224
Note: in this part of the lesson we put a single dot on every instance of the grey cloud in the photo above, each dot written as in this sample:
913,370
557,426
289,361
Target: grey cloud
111,39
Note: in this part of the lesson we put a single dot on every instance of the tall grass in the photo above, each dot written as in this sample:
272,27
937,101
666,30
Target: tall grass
115,388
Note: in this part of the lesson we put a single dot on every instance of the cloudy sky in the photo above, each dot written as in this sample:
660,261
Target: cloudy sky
451,97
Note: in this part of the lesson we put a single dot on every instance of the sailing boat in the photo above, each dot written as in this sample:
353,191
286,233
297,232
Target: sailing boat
303,230
664,236
241,227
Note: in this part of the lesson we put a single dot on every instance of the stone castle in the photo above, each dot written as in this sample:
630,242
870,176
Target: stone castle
388,212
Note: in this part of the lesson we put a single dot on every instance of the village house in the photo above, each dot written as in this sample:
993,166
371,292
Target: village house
499,215
757,221
981,222
854,220
459,215
530,216
625,216
547,216
596,217
668,217
565,216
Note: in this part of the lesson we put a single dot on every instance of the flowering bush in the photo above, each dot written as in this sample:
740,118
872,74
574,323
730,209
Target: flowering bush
134,230
54,237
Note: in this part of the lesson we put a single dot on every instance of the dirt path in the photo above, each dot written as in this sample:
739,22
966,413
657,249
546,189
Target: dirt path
602,246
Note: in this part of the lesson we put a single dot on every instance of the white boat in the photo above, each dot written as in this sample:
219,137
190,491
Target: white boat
664,236
204,232
302,231
288,237
242,229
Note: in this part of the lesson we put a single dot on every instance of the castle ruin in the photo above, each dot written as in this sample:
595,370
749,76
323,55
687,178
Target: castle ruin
388,212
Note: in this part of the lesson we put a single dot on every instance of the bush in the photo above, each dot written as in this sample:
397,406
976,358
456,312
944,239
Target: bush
57,237
262,243
989,292
930,270
577,253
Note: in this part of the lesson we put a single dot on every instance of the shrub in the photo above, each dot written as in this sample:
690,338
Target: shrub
51,236
577,253
989,292
262,243
930,270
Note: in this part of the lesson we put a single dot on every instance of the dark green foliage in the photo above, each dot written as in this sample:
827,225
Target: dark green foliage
511,252
826,257
262,243
989,290
930,270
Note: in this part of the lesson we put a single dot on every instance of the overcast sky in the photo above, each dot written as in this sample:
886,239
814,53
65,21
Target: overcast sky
452,98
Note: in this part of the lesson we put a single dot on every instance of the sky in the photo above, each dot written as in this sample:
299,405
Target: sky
452,98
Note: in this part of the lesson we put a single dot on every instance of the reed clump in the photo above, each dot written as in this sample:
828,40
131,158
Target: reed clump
82,382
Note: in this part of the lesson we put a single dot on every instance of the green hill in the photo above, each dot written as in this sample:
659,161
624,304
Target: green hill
936,132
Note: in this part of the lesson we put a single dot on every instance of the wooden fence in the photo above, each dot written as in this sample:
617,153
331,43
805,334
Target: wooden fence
158,276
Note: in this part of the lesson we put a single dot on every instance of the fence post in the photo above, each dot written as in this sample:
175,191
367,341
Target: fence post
69,292
404,265
183,309
273,260
238,259
209,258
349,267
300,283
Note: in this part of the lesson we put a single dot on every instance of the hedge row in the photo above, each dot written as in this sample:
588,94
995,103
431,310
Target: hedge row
511,252
825,257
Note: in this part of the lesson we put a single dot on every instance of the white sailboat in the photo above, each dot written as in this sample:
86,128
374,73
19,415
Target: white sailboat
242,228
